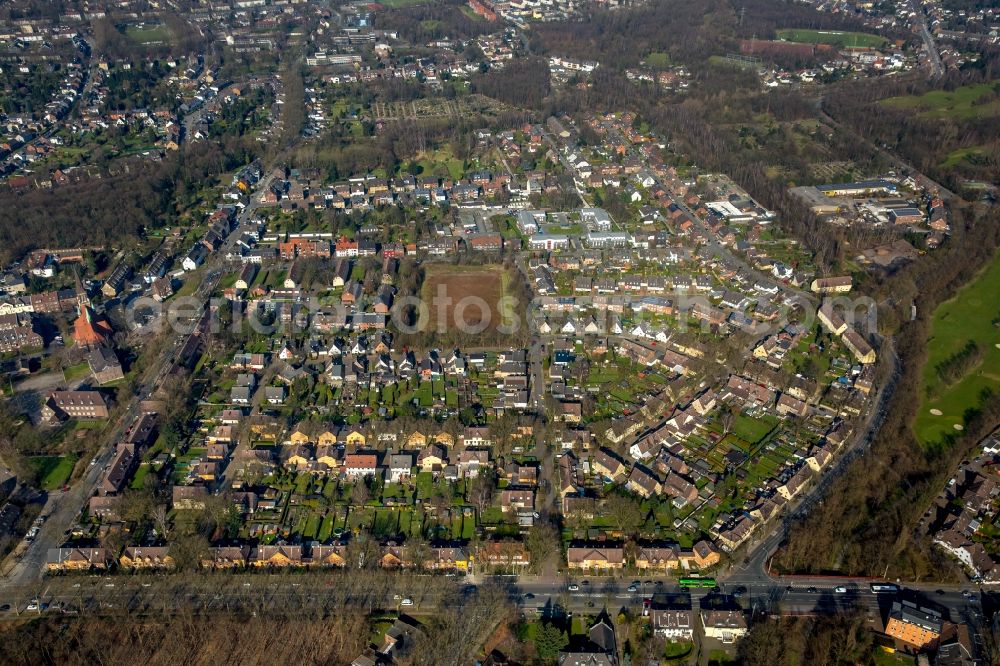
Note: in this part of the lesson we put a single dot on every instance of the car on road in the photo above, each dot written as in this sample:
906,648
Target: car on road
4,608
32,605
406,602
939,592
529,595
812,590
840,589
740,589
966,593
573,587
586,582
633,588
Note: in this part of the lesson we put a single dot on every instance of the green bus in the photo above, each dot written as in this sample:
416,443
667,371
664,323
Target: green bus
697,582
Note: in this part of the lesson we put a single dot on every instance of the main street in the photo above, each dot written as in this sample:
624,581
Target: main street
310,593
61,509
933,55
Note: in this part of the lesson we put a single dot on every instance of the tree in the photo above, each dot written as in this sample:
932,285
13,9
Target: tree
727,417
161,520
549,640
359,493
136,505
625,512
188,550
482,489
542,542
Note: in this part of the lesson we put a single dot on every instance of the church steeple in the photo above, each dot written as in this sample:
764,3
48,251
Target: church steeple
82,300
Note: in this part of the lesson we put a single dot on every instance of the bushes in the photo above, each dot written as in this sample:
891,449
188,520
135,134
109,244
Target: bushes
956,366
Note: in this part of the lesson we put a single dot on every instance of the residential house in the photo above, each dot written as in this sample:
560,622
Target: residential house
727,626
84,405
591,558
76,559
282,555
146,557
658,558
673,624
608,464
515,499
916,626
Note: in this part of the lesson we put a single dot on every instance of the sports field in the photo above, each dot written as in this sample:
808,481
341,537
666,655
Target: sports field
452,295
858,40
148,33
973,314
965,102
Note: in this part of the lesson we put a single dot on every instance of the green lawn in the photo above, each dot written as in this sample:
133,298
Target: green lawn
883,658
970,315
831,37
425,485
325,529
753,429
77,372
958,103
658,60
677,649
720,657
139,480
53,471
312,526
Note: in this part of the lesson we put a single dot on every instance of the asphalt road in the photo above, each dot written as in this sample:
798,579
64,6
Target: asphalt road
315,592
933,55
60,508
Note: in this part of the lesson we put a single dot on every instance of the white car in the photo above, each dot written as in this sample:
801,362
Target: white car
33,605
840,590
406,602
574,587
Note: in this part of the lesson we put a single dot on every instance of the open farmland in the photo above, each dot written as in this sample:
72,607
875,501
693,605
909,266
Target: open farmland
452,296
832,37
971,315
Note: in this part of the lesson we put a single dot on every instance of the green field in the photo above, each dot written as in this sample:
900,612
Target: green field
148,34
972,155
442,163
52,471
658,60
959,103
970,315
832,37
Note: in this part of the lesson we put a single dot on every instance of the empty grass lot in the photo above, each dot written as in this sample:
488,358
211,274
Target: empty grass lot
970,315
53,471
